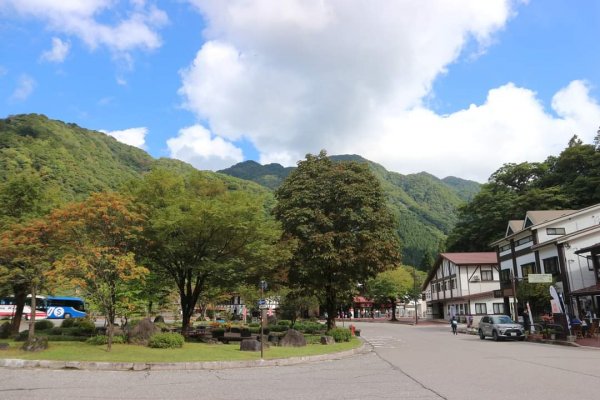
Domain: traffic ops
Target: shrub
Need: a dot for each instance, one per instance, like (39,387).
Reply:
(103,339)
(43,325)
(166,341)
(5,330)
(285,322)
(56,331)
(309,327)
(340,334)
(217,332)
(68,323)
(277,328)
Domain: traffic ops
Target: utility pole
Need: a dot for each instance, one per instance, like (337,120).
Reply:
(415,294)
(515,304)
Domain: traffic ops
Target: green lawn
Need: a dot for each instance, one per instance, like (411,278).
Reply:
(190,352)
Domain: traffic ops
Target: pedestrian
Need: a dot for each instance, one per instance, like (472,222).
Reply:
(454,325)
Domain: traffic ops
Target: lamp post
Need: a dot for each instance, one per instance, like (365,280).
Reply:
(263,287)
(415,294)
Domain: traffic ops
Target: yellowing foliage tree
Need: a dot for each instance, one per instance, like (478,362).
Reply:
(97,238)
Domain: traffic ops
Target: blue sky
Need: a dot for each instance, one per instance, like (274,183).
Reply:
(451,88)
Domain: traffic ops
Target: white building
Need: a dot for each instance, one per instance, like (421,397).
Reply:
(463,284)
(561,243)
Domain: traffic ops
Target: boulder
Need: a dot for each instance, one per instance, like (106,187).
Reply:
(327,339)
(38,343)
(249,345)
(293,338)
(141,333)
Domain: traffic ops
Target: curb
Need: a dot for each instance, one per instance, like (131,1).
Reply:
(191,366)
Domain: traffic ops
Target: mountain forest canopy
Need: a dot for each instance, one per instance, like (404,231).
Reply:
(570,181)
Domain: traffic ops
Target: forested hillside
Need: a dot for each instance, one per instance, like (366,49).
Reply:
(58,162)
(426,206)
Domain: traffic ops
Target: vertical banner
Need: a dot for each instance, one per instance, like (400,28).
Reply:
(531,326)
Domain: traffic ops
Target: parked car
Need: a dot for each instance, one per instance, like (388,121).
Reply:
(500,327)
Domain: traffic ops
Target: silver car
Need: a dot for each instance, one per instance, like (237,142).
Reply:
(500,327)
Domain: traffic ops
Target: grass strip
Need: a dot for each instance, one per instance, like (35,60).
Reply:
(190,352)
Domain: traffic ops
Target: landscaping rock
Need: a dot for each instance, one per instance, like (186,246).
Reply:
(141,333)
(327,339)
(38,343)
(249,345)
(293,338)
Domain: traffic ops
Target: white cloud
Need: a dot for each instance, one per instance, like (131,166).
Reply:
(132,136)
(196,146)
(58,52)
(25,86)
(131,28)
(296,76)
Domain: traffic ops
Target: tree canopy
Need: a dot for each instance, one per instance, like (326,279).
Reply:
(569,181)
(204,236)
(337,215)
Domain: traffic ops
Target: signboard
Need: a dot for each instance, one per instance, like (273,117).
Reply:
(539,278)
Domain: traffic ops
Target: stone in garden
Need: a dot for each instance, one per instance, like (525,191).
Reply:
(250,345)
(141,333)
(38,343)
(327,339)
(293,338)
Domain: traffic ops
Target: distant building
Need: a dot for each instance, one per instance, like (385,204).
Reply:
(463,284)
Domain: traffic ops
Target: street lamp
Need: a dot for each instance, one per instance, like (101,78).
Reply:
(263,287)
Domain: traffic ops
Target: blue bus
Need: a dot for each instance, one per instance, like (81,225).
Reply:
(64,307)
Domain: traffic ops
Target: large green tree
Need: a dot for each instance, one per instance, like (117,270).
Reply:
(337,214)
(204,236)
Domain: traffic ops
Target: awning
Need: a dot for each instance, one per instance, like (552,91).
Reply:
(588,249)
(588,291)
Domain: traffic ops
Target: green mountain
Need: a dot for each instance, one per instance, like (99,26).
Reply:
(76,162)
(73,161)
(425,205)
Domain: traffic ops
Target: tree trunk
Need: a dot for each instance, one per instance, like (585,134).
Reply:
(20,297)
(31,333)
(394,310)
(330,306)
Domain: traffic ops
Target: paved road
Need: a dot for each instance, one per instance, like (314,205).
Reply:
(423,362)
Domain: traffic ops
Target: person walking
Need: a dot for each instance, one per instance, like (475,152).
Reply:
(454,325)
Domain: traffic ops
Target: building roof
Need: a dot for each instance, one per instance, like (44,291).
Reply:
(474,258)
(489,257)
(514,226)
(540,216)
(532,218)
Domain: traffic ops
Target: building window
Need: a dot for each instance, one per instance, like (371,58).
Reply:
(527,269)
(590,263)
(480,308)
(437,287)
(524,240)
(505,275)
(551,265)
(487,275)
(444,285)
(555,231)
(498,308)
(453,284)
(504,248)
